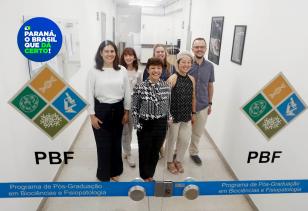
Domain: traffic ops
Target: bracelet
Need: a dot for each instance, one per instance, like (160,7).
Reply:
(193,112)
(210,103)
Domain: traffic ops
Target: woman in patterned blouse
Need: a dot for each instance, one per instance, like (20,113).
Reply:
(160,51)
(151,110)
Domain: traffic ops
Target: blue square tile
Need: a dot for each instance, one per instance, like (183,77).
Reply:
(291,107)
(69,104)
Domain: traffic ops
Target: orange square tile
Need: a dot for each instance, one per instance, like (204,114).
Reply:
(277,90)
(47,84)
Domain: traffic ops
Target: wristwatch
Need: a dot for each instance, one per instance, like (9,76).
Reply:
(210,103)
(193,112)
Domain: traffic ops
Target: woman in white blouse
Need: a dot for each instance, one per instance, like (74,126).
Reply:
(109,99)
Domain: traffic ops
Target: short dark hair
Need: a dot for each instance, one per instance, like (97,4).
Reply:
(199,38)
(154,62)
(129,51)
(99,61)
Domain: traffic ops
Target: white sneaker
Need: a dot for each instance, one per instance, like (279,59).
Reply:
(130,161)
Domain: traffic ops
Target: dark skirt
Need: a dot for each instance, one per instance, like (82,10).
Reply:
(150,139)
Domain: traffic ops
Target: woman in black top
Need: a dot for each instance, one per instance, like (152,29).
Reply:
(182,110)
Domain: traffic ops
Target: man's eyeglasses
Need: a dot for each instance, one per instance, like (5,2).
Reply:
(201,47)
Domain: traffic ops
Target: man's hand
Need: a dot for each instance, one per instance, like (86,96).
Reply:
(209,110)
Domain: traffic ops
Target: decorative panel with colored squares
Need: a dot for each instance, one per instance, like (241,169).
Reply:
(274,106)
(48,102)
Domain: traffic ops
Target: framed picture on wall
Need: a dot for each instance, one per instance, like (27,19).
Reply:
(238,43)
(215,39)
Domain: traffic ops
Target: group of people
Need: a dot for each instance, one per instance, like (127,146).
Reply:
(166,102)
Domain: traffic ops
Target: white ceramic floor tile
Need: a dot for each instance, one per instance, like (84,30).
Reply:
(83,168)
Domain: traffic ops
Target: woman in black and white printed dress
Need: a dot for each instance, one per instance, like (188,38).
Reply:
(151,110)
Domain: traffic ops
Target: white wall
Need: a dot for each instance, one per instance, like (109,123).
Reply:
(151,36)
(129,26)
(178,12)
(164,25)
(276,41)
(161,25)
(128,20)
(19,138)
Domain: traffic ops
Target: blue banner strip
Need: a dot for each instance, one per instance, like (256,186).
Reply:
(110,189)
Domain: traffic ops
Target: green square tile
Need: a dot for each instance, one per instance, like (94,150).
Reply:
(257,108)
(28,102)
(271,124)
(50,121)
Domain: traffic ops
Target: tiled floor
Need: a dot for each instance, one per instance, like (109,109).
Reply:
(83,168)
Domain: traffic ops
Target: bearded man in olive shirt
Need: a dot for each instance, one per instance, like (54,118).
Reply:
(203,72)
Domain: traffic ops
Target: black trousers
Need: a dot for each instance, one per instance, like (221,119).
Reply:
(108,140)
(150,139)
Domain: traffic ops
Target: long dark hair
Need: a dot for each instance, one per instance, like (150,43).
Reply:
(129,51)
(99,61)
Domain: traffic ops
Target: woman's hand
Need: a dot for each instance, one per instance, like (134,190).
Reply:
(125,118)
(193,119)
(170,121)
(95,121)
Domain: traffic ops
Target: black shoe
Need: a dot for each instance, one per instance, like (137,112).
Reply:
(196,159)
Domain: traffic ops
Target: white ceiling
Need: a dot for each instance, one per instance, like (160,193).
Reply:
(145,2)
